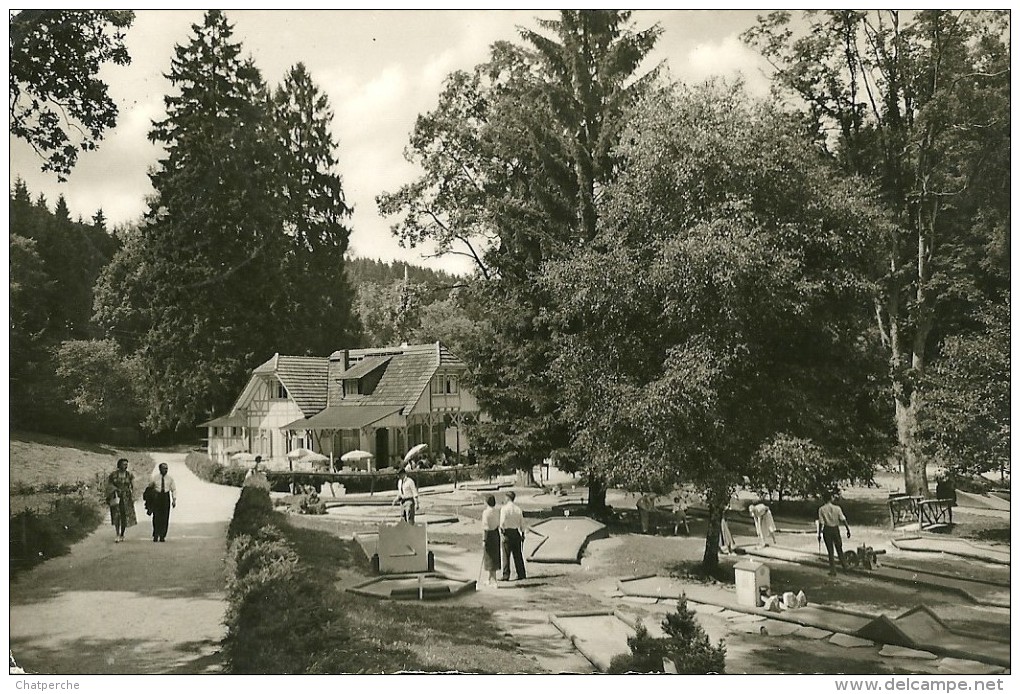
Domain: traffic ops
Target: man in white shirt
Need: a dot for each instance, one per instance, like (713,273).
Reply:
(407,496)
(164,498)
(511,526)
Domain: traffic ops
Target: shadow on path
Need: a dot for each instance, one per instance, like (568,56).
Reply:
(136,606)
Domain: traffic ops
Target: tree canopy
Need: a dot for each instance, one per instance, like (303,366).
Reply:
(919,103)
(58,103)
(721,304)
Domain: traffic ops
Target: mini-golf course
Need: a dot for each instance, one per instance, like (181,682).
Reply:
(954,546)
(426,586)
(917,628)
(988,593)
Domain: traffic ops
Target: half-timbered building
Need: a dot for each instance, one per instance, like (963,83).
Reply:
(380,400)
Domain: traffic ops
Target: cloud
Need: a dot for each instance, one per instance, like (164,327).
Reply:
(726,58)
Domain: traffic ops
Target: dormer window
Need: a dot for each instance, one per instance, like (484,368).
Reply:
(352,387)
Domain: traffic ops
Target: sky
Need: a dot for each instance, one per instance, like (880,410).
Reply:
(379,68)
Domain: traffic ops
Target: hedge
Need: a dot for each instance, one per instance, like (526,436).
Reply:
(36,536)
(205,469)
(273,616)
(380,480)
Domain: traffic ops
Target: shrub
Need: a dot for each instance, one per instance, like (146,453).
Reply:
(685,643)
(205,469)
(645,654)
(688,646)
(36,536)
(252,512)
(272,619)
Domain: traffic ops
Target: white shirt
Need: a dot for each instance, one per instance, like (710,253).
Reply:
(511,517)
(165,483)
(406,489)
(490,518)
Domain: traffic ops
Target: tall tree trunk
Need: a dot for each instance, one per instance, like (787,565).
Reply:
(596,494)
(710,559)
(915,476)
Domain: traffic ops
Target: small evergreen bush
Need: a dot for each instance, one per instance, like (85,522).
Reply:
(685,643)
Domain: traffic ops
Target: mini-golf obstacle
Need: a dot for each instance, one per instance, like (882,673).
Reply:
(917,628)
(561,540)
(400,553)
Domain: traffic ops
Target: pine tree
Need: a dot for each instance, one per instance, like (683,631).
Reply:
(213,240)
(320,295)
(61,211)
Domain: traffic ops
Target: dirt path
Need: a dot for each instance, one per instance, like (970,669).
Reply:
(135,607)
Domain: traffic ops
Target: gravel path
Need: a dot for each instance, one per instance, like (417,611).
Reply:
(136,607)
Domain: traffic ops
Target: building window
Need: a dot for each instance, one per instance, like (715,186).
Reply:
(352,386)
(279,391)
(444,385)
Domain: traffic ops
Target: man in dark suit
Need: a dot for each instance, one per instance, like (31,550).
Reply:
(164,497)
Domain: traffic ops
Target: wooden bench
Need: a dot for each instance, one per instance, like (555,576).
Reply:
(935,514)
(927,514)
(905,511)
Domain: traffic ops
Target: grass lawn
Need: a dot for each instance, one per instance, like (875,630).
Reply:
(391,636)
(40,463)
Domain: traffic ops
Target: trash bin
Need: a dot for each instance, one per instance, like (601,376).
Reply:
(751,576)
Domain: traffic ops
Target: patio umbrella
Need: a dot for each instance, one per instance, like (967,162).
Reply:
(243,457)
(354,456)
(357,456)
(302,453)
(415,451)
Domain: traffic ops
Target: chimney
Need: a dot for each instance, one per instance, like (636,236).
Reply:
(337,365)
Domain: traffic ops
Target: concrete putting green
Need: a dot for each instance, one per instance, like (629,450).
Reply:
(384,514)
(954,546)
(968,500)
(562,540)
(917,628)
(428,586)
(598,636)
(979,592)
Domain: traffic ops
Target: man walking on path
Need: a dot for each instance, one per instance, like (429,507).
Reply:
(829,517)
(166,608)
(164,498)
(511,526)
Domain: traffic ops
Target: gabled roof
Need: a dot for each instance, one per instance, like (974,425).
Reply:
(406,372)
(303,377)
(305,381)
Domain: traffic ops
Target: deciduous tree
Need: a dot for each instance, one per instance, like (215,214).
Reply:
(58,103)
(918,102)
(720,303)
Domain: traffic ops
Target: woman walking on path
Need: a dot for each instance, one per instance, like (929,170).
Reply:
(490,540)
(120,496)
